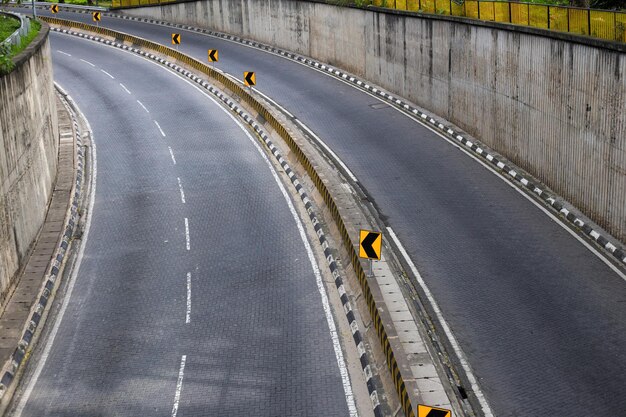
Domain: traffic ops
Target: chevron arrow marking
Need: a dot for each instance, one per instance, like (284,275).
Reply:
(370,244)
(426,411)
(249,78)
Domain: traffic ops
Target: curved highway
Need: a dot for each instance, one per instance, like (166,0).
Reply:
(196,294)
(540,317)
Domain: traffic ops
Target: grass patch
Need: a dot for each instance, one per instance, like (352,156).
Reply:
(26,40)
(7,53)
(8,25)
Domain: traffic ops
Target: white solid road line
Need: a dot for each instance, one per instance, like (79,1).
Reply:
(172,155)
(87,62)
(70,286)
(179,385)
(143,107)
(187,233)
(159,126)
(188,315)
(182,192)
(341,363)
(328,150)
(107,74)
(125,89)
(64,53)
(444,324)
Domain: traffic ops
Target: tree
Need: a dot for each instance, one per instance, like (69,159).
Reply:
(608,4)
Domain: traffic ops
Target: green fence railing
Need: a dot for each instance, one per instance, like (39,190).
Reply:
(590,22)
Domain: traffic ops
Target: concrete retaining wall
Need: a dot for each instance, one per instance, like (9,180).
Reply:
(28,154)
(553,106)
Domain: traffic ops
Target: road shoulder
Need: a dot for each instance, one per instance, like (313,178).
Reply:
(28,306)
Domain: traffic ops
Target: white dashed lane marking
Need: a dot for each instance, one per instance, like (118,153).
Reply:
(182,192)
(159,126)
(172,155)
(112,77)
(187,233)
(188,316)
(179,385)
(142,106)
(124,87)
(64,53)
(87,62)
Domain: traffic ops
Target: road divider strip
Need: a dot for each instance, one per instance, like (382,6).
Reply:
(122,40)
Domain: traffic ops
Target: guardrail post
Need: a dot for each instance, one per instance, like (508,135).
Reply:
(510,14)
(548,9)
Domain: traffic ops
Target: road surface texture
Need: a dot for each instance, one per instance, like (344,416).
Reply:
(195,295)
(541,318)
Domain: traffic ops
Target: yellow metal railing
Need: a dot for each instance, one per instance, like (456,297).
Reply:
(597,23)
(127,3)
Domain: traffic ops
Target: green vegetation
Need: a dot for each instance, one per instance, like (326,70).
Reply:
(7,53)
(8,25)
(593,4)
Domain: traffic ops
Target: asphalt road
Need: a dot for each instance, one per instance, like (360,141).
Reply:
(540,317)
(195,295)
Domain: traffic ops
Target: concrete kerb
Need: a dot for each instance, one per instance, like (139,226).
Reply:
(378,315)
(14,368)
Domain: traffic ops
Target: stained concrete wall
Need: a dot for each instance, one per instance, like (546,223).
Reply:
(28,154)
(554,105)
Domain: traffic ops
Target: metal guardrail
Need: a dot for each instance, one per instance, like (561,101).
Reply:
(603,24)
(16,37)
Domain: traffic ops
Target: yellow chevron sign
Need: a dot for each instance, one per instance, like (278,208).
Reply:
(175,38)
(213,55)
(249,78)
(95,16)
(426,411)
(370,244)
(54,8)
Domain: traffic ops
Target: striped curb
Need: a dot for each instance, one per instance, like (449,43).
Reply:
(506,168)
(46,294)
(332,265)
